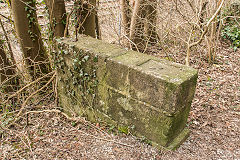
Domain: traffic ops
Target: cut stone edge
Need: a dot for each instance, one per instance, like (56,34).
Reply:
(179,139)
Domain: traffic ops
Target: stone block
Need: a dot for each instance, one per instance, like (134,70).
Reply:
(105,82)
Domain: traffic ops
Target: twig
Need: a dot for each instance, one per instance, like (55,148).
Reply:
(74,119)
(30,147)
(131,42)
(43,98)
(81,23)
(6,17)
(188,48)
(192,6)
(28,5)
(78,119)
(146,46)
(207,26)
(26,137)
(19,91)
(56,92)
(25,102)
(203,34)
(67,23)
(183,16)
(108,140)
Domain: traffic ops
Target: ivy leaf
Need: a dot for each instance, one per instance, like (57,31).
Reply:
(85,58)
(95,59)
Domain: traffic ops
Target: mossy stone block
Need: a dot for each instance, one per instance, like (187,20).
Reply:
(106,82)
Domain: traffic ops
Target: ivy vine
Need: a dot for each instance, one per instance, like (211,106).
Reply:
(80,74)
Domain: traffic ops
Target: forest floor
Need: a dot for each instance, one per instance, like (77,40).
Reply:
(214,123)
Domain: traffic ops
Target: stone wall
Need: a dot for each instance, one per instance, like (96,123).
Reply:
(149,96)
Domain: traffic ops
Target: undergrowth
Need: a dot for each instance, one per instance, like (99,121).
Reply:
(231,28)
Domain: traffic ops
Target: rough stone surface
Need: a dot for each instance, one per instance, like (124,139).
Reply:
(149,96)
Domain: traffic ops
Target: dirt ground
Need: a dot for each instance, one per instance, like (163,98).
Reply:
(214,122)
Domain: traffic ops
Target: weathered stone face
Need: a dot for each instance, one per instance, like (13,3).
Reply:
(126,88)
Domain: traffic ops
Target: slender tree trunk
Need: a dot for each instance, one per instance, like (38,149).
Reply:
(98,31)
(143,24)
(211,38)
(89,24)
(125,12)
(150,23)
(27,29)
(135,19)
(86,17)
(136,30)
(203,13)
(6,70)
(57,16)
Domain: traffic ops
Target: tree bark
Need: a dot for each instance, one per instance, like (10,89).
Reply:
(27,29)
(57,16)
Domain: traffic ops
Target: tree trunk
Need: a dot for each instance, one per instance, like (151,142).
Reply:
(150,23)
(142,30)
(135,19)
(98,31)
(125,12)
(6,71)
(27,29)
(86,17)
(57,16)
(136,30)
